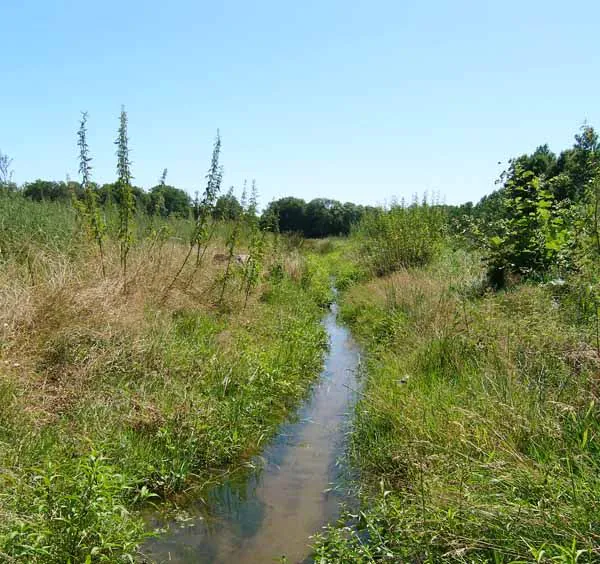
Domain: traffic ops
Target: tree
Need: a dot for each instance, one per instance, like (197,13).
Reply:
(50,190)
(290,214)
(584,161)
(321,217)
(166,200)
(227,207)
(317,218)
(532,235)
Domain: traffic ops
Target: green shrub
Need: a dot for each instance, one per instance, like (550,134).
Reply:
(400,237)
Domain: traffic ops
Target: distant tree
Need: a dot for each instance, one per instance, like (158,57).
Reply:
(290,214)
(227,206)
(321,217)
(50,190)
(317,218)
(166,200)
(110,194)
(352,215)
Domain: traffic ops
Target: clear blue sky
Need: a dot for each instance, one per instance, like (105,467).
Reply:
(352,100)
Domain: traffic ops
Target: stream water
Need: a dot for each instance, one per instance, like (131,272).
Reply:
(268,513)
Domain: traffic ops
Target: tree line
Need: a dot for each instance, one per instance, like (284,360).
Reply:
(320,217)
(544,219)
(545,206)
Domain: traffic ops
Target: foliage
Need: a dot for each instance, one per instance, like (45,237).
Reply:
(201,235)
(227,207)
(400,237)
(127,202)
(205,206)
(476,437)
(256,251)
(166,200)
(79,515)
(533,236)
(319,218)
(48,190)
(543,218)
(96,224)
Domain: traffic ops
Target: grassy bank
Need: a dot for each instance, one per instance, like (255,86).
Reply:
(477,432)
(112,398)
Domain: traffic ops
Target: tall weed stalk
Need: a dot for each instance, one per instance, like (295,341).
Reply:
(90,210)
(127,203)
(201,235)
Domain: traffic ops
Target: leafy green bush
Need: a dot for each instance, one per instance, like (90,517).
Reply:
(535,234)
(79,515)
(400,237)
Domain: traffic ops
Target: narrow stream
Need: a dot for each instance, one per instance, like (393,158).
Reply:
(264,515)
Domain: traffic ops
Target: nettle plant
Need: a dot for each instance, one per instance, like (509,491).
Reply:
(203,229)
(89,209)
(127,202)
(256,247)
(231,241)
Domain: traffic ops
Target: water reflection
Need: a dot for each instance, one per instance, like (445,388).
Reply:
(260,516)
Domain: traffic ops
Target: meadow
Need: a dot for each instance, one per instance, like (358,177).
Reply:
(150,344)
(476,435)
(115,393)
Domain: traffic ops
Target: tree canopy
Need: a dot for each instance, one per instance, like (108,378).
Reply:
(318,218)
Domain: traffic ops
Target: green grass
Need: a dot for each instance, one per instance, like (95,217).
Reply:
(478,434)
(109,401)
(192,395)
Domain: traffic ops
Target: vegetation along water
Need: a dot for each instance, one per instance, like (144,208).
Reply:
(176,385)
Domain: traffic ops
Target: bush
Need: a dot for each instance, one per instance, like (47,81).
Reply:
(400,237)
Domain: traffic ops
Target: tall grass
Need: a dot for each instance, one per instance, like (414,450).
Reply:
(108,401)
(477,434)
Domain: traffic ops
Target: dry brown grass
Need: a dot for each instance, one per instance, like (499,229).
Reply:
(70,302)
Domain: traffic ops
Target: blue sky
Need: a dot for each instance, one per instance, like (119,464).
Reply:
(352,100)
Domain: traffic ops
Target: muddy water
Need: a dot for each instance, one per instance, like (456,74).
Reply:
(269,513)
